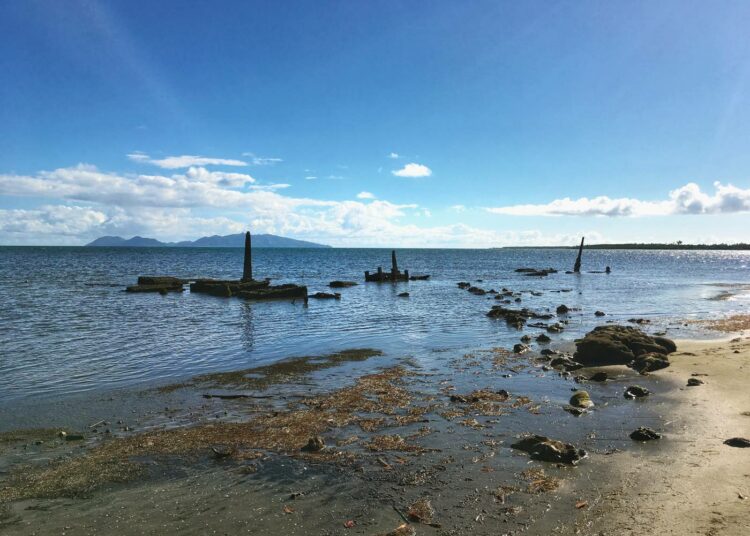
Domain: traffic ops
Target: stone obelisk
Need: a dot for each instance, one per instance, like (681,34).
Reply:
(247,270)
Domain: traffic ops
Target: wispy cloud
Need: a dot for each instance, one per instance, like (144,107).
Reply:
(262,160)
(458,208)
(394,156)
(310,177)
(365,195)
(688,199)
(413,170)
(184,161)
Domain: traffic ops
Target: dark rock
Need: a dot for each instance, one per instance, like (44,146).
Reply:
(599,313)
(73,437)
(618,345)
(649,363)
(534,272)
(314,444)
(548,352)
(464,284)
(599,377)
(326,296)
(636,391)
(562,309)
(477,291)
(739,442)
(694,382)
(543,338)
(549,450)
(419,277)
(644,434)
(519,348)
(403,295)
(639,320)
(554,328)
(575,411)
(342,284)
(526,339)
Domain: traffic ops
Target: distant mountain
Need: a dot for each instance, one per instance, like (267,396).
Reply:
(216,241)
(135,242)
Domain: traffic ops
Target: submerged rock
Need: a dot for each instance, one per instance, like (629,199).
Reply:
(478,291)
(526,339)
(566,363)
(464,284)
(562,309)
(326,296)
(694,382)
(342,284)
(599,313)
(403,295)
(620,345)
(581,399)
(636,391)
(549,450)
(649,363)
(644,434)
(519,348)
(738,442)
(543,338)
(314,444)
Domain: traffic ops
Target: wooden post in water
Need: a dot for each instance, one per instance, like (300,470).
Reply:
(577,265)
(394,265)
(247,270)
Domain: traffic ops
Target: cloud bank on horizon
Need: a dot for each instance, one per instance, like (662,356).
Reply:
(688,199)
(196,200)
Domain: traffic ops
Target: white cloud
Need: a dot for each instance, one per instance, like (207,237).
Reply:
(413,170)
(458,208)
(365,195)
(184,161)
(230,180)
(310,177)
(688,199)
(393,156)
(176,207)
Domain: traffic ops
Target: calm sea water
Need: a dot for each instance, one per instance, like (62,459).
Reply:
(67,327)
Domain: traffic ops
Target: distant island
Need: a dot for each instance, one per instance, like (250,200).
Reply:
(672,245)
(216,241)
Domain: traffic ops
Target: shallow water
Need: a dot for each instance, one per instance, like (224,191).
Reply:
(67,329)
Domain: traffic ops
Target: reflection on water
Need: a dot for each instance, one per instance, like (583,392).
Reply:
(66,326)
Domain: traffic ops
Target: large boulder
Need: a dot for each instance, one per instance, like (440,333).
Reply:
(619,345)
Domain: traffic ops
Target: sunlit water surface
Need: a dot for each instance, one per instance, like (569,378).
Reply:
(67,328)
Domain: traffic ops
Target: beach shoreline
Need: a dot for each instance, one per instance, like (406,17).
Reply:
(687,483)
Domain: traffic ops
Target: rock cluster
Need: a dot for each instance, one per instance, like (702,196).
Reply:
(623,345)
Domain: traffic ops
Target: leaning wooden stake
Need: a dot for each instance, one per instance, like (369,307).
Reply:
(394,265)
(577,265)
(247,270)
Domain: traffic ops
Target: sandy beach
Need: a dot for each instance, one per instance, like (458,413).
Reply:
(698,485)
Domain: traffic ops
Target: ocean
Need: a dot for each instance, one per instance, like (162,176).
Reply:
(68,329)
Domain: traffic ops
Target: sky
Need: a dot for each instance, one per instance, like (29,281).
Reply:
(377,123)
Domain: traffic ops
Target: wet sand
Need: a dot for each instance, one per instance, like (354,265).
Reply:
(420,446)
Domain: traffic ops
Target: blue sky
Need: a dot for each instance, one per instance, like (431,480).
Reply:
(465,124)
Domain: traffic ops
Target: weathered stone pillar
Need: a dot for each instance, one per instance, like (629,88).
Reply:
(247,270)
(577,265)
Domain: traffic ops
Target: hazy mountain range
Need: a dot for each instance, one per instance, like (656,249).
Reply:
(216,241)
